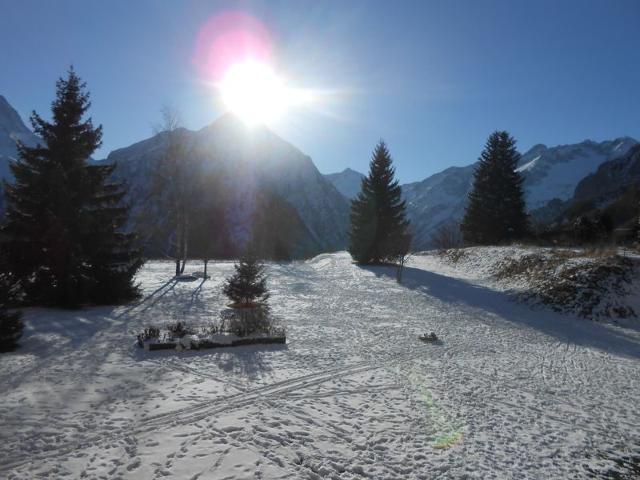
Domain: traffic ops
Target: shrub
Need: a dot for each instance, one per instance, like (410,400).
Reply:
(247,321)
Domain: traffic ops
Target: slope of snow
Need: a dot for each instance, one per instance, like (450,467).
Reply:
(530,165)
(510,392)
(348,182)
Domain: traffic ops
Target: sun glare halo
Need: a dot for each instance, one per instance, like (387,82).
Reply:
(255,93)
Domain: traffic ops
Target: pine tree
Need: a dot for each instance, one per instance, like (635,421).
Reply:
(379,229)
(248,285)
(64,218)
(496,209)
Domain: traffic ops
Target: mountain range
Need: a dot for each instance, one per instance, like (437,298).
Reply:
(551,175)
(261,176)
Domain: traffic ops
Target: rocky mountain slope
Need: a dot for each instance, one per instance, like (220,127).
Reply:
(249,163)
(12,130)
(611,178)
(347,182)
(613,190)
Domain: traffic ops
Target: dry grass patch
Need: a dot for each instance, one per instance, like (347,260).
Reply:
(592,284)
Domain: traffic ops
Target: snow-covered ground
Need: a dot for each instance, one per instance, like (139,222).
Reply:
(510,393)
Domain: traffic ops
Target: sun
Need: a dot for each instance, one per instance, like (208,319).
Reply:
(255,93)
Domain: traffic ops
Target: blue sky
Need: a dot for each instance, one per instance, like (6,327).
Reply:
(433,78)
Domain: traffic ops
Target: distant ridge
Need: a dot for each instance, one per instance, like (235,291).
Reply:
(347,182)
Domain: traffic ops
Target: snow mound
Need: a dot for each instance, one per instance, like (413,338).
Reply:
(597,285)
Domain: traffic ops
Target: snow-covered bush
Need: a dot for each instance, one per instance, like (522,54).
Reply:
(235,327)
(592,283)
(453,255)
(247,321)
(590,286)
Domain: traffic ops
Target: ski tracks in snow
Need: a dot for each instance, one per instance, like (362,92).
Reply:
(353,395)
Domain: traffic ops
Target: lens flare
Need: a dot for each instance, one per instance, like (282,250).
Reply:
(234,54)
(227,39)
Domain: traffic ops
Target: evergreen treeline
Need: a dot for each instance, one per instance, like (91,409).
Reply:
(64,231)
(496,209)
(379,228)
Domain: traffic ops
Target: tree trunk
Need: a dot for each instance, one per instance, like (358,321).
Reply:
(206,261)
(184,228)
(178,244)
(400,269)
(183,239)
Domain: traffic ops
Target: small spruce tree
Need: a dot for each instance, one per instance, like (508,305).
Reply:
(248,285)
(10,322)
(65,220)
(496,212)
(379,228)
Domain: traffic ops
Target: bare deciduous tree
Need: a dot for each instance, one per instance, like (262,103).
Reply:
(447,236)
(172,186)
(403,255)
(400,263)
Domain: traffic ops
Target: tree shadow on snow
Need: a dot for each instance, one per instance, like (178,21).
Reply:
(195,300)
(252,361)
(46,327)
(248,361)
(153,298)
(564,327)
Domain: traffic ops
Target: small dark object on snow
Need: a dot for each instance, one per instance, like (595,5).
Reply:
(186,277)
(178,330)
(431,337)
(151,332)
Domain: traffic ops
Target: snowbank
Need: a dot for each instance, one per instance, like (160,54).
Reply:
(592,284)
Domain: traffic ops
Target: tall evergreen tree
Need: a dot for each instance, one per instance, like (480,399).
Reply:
(64,217)
(496,209)
(379,228)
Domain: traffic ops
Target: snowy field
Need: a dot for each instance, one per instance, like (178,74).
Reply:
(510,393)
